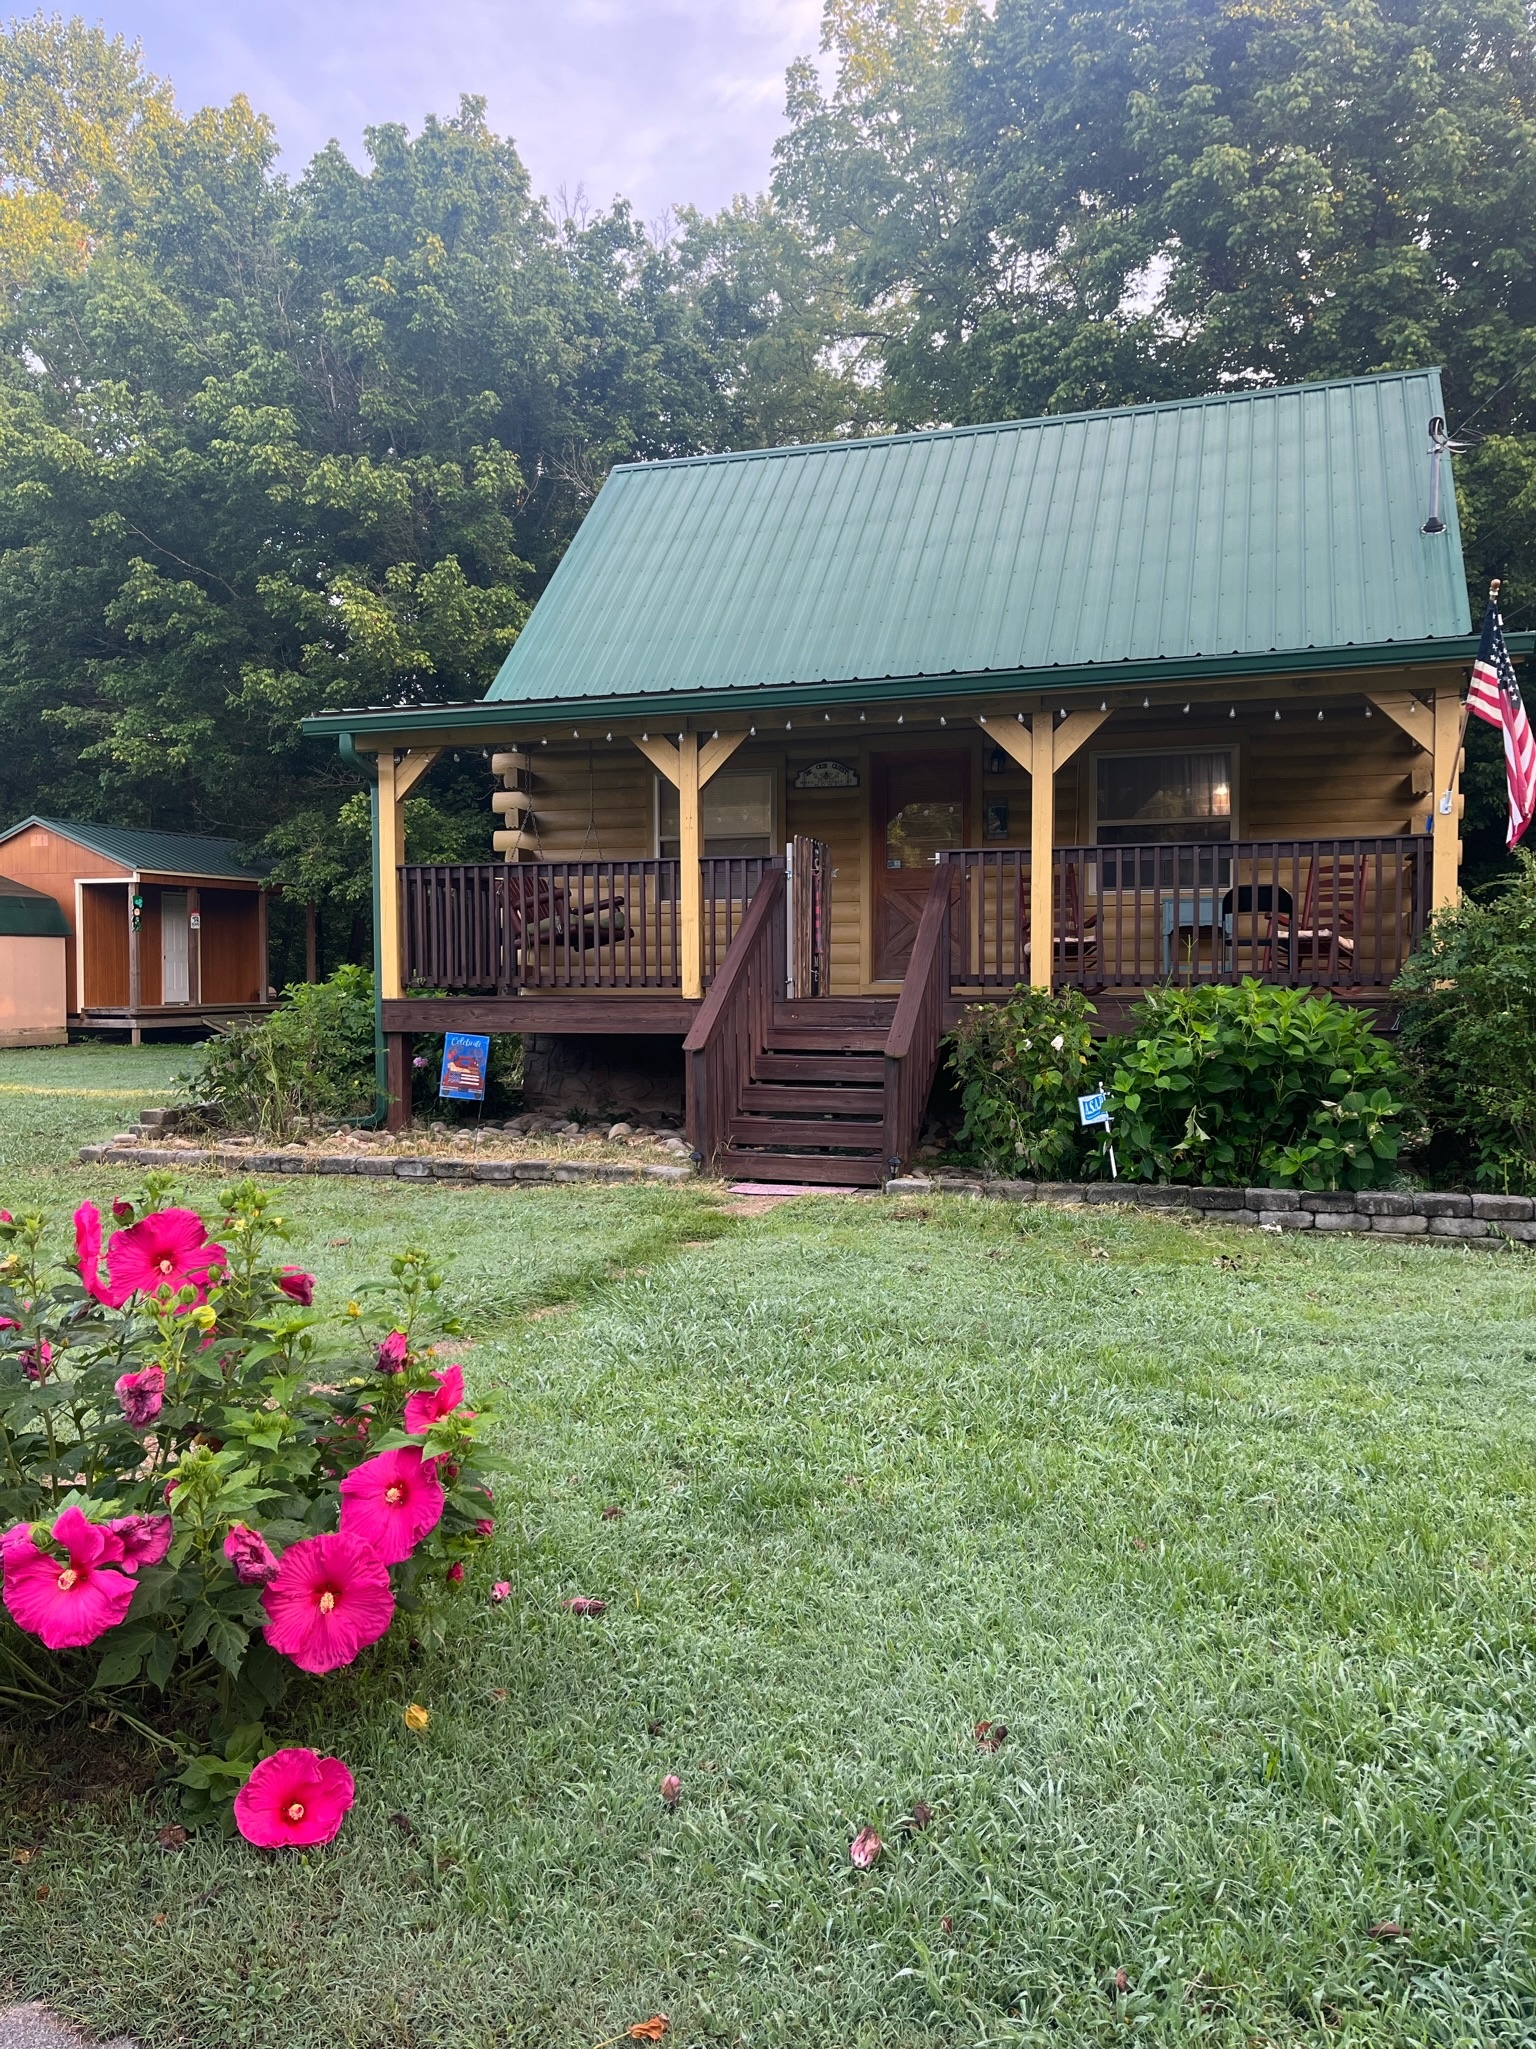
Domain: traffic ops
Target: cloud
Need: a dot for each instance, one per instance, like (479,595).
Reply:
(665,101)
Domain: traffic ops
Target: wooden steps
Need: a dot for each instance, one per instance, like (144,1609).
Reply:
(812,1109)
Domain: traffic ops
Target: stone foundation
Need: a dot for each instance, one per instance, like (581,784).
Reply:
(604,1074)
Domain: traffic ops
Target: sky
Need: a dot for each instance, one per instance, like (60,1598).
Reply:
(665,101)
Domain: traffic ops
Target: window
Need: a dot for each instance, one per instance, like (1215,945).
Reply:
(1141,797)
(737,815)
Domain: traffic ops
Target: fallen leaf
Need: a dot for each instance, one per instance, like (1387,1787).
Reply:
(499,1693)
(613,1514)
(1138,1543)
(415,1718)
(42,1892)
(585,1604)
(649,2031)
(404,1823)
(654,1728)
(864,1849)
(172,1836)
(1385,1931)
(160,1920)
(947,1923)
(671,1787)
(991,1735)
(22,1856)
(922,1814)
(1121,1983)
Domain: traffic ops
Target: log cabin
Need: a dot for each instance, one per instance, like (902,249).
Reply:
(802,749)
(167,928)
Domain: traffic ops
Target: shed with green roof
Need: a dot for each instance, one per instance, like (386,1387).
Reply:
(163,929)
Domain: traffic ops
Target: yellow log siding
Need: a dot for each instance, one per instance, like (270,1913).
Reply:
(1299,777)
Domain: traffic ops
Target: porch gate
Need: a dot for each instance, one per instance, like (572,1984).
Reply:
(806,965)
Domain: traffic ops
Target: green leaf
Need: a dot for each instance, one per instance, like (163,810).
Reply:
(227,1641)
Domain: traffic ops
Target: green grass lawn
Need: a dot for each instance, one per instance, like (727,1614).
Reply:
(1236,1534)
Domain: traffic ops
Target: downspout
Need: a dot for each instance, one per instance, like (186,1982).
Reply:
(369,771)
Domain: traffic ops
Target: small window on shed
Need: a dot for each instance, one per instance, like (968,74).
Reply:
(1141,797)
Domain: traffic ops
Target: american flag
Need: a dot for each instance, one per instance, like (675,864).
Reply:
(1494,695)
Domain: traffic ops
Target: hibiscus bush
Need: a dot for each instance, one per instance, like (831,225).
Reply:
(209,1486)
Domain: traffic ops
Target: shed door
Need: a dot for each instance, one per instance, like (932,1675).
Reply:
(921,809)
(175,982)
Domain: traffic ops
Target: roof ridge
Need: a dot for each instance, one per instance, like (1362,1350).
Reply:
(1032,420)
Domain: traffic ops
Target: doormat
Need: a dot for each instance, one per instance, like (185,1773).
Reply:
(785,1189)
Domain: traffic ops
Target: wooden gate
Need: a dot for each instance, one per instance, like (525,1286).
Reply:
(806,967)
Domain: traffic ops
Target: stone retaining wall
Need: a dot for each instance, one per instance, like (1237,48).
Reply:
(404,1167)
(1271,1209)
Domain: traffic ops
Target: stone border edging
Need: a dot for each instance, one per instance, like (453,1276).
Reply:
(1394,1215)
(402,1167)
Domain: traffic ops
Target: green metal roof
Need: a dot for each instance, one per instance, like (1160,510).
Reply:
(28,914)
(1247,525)
(155,853)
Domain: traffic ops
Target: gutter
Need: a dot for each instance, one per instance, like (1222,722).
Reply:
(498,714)
(368,771)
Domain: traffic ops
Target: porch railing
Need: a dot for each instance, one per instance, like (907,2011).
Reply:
(502,927)
(1336,913)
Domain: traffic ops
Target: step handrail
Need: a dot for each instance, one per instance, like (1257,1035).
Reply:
(734,1019)
(917,1030)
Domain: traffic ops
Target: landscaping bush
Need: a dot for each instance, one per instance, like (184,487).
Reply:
(1021,1066)
(308,1062)
(1231,1086)
(1468,1036)
(208,1487)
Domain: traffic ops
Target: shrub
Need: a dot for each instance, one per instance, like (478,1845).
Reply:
(211,1487)
(309,1061)
(1468,1035)
(1021,1066)
(1254,1085)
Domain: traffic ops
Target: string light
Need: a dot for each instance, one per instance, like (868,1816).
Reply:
(1103,704)
(901,718)
(1186,711)
(1232,713)
(1277,714)
(943,721)
(1145,702)
(1319,715)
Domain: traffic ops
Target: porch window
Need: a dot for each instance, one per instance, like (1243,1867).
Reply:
(1141,797)
(737,816)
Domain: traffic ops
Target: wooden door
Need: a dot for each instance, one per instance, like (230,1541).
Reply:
(921,805)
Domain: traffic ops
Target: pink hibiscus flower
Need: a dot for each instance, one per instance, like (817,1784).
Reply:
(429,1407)
(456,1573)
(254,1560)
(485,1527)
(392,1353)
(298,1287)
(294,1799)
(67,1605)
(88,1256)
(331,1597)
(391,1501)
(142,1539)
(169,1248)
(142,1395)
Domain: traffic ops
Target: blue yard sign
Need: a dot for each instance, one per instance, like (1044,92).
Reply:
(1091,1108)
(465,1058)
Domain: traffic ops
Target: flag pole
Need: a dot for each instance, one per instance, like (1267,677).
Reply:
(1447,802)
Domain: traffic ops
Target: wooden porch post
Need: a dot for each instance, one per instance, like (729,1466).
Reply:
(397,779)
(1040,748)
(135,966)
(397,1055)
(689,765)
(1042,835)
(195,946)
(1445,849)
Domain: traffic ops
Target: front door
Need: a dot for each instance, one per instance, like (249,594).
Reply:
(921,810)
(175,947)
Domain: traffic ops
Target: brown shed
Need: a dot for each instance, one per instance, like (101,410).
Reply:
(169,927)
